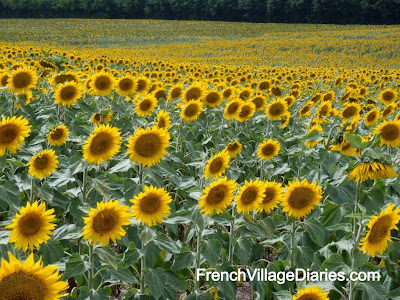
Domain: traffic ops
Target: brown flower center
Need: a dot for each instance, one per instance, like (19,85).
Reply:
(41,162)
(22,80)
(268,149)
(390,132)
(232,108)
(269,195)
(150,204)
(380,229)
(249,195)
(125,84)
(216,165)
(148,145)
(216,194)
(101,143)
(22,286)
(301,197)
(68,93)
(102,83)
(191,110)
(30,224)
(8,133)
(105,221)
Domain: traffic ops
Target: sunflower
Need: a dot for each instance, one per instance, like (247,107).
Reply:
(276,109)
(324,109)
(312,144)
(102,144)
(372,117)
(191,110)
(218,196)
(101,84)
(300,198)
(389,109)
(143,85)
(65,77)
(21,80)
(268,149)
(13,132)
(350,111)
(126,86)
(194,92)
(376,240)
(232,109)
(247,110)
(250,196)
(305,110)
(285,120)
(311,293)
(390,133)
(163,120)
(107,116)
(47,65)
(388,96)
(234,148)
(217,164)
(212,99)
(346,148)
(289,100)
(32,226)
(43,164)
(175,92)
(58,136)
(259,102)
(105,222)
(29,280)
(374,170)
(67,93)
(275,91)
(145,106)
(273,192)
(148,146)
(151,206)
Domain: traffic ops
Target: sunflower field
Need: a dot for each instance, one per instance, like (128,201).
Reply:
(136,155)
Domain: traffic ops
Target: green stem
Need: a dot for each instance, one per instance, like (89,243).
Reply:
(31,194)
(142,267)
(232,230)
(292,244)
(140,174)
(84,188)
(91,270)
(199,236)
(357,235)
(261,169)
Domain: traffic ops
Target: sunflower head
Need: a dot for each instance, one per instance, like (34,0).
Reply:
(148,146)
(143,84)
(218,196)
(191,110)
(32,226)
(22,79)
(232,109)
(372,117)
(388,96)
(217,164)
(175,92)
(67,93)
(311,293)
(350,111)
(374,171)
(212,99)
(247,110)
(268,149)
(273,192)
(43,164)
(151,206)
(250,196)
(163,120)
(194,92)
(378,235)
(105,222)
(13,132)
(102,144)
(29,280)
(101,84)
(300,198)
(146,105)
(234,148)
(126,86)
(276,109)
(390,133)
(58,136)
(97,118)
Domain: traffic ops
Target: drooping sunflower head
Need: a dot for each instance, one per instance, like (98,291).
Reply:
(390,133)
(216,165)
(234,148)
(374,171)
(163,120)
(101,84)
(378,236)
(58,136)
(126,86)
(146,105)
(29,280)
(276,109)
(191,110)
(105,222)
(43,164)
(324,109)
(32,226)
(22,79)
(372,117)
(232,109)
(218,196)
(311,293)
(250,196)
(212,98)
(65,77)
(151,206)
(300,198)
(102,144)
(273,192)
(389,109)
(13,132)
(247,110)
(47,65)
(268,149)
(388,96)
(350,111)
(148,146)
(305,110)
(67,93)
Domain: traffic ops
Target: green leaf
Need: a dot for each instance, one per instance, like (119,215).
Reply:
(394,293)
(9,193)
(315,230)
(211,250)
(183,260)
(132,256)
(314,135)
(87,294)
(355,140)
(122,166)
(243,250)
(331,214)
(175,281)
(328,159)
(75,266)
(372,291)
(51,252)
(197,296)
(155,280)
(227,288)
(100,186)
(107,255)
(165,243)
(122,274)
(304,256)
(66,232)
(335,264)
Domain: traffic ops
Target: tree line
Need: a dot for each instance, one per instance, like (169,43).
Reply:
(277,11)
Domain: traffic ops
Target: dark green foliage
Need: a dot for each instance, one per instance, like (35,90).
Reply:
(278,11)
